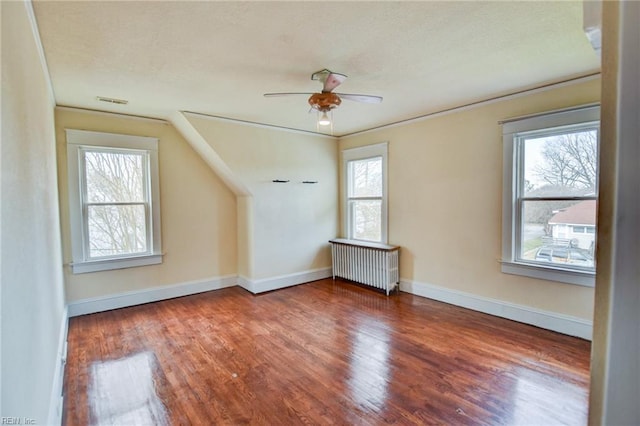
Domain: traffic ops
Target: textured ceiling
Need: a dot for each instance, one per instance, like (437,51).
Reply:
(219,58)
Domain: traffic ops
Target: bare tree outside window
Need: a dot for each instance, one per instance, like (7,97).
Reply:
(116,202)
(570,162)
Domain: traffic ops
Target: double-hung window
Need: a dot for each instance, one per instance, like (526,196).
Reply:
(550,195)
(365,203)
(114,200)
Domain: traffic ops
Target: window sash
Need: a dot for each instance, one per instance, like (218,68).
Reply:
(519,240)
(520,138)
(376,230)
(87,242)
(351,177)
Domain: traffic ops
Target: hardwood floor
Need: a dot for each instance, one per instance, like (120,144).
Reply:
(320,353)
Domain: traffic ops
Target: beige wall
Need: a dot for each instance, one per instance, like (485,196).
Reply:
(198,212)
(445,201)
(288,225)
(31,276)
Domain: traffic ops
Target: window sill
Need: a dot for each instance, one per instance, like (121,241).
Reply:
(110,264)
(586,279)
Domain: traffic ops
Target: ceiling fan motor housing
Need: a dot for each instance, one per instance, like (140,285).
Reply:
(325,101)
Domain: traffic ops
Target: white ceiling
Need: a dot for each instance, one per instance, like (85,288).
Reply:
(219,58)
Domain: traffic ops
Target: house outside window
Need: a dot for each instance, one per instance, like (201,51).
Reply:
(113,200)
(365,202)
(550,195)
(577,224)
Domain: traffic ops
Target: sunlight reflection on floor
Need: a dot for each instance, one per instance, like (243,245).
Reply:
(531,404)
(122,392)
(369,367)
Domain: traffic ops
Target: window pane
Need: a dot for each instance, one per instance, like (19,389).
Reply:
(561,165)
(366,219)
(365,177)
(114,177)
(554,231)
(116,230)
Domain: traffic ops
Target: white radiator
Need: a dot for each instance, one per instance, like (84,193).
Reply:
(373,264)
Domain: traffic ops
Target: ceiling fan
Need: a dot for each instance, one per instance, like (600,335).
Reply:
(326,100)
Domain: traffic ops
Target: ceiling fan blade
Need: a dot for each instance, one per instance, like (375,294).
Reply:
(274,95)
(368,99)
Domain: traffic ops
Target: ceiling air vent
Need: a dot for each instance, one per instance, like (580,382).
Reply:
(112,100)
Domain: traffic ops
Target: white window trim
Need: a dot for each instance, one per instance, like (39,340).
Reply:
(572,116)
(76,139)
(362,153)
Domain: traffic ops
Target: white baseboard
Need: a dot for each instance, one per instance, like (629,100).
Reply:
(56,399)
(132,298)
(282,281)
(565,324)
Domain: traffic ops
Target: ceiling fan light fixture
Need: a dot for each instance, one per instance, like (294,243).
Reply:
(326,101)
(323,118)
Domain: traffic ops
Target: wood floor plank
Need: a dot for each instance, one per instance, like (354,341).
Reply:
(327,352)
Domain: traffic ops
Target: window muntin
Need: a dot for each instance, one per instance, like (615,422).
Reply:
(550,187)
(114,200)
(365,189)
